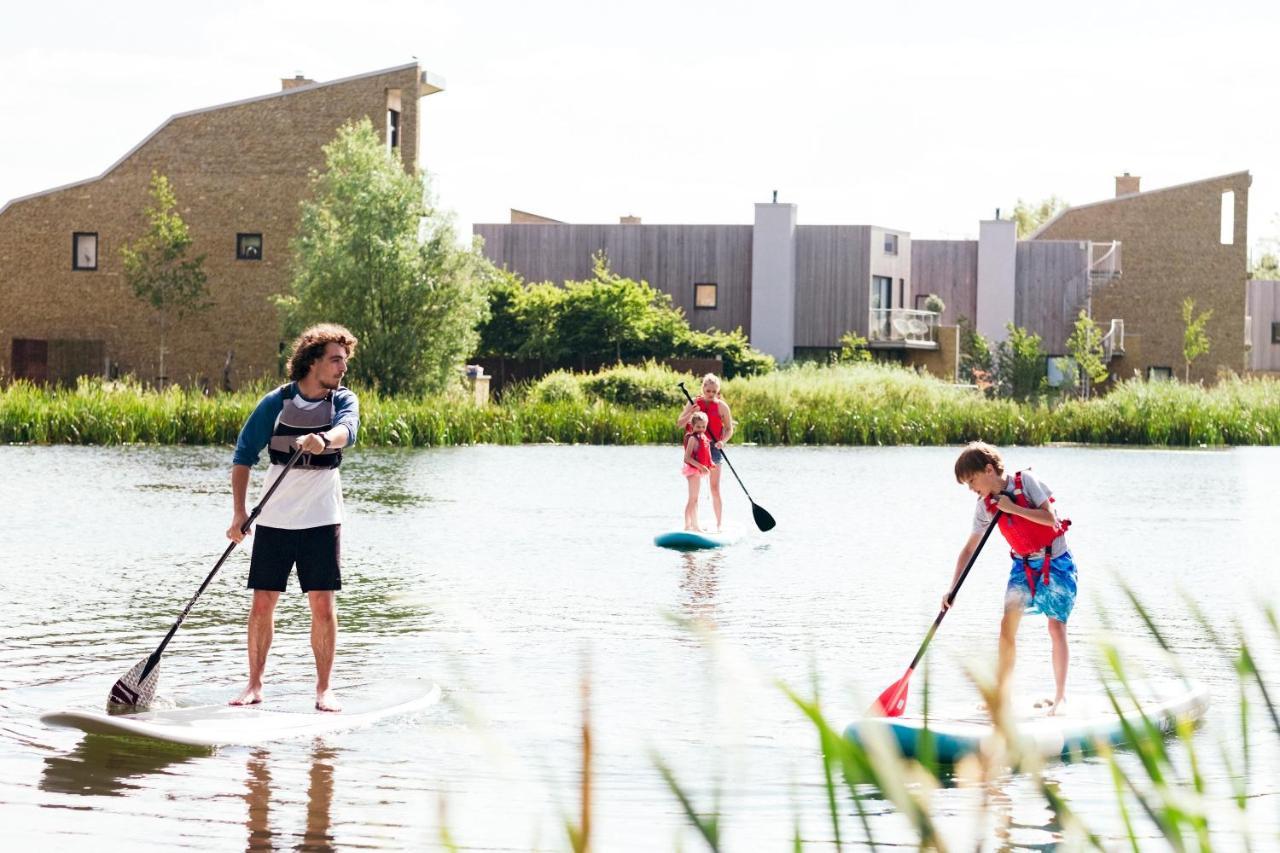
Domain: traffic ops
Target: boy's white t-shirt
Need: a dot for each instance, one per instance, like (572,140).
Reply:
(1036,493)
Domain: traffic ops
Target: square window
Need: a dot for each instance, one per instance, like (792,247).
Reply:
(84,250)
(248,247)
(1275,333)
(1159,374)
(704,295)
(891,244)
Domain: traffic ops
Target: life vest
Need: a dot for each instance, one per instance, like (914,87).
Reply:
(715,425)
(1025,537)
(295,421)
(702,452)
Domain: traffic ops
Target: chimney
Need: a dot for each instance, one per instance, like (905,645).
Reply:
(1127,184)
(628,220)
(287,83)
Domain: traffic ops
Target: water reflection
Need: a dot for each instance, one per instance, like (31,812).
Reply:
(701,586)
(104,766)
(259,800)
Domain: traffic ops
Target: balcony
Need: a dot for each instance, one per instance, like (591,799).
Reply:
(902,328)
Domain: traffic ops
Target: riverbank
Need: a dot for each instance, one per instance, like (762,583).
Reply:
(806,405)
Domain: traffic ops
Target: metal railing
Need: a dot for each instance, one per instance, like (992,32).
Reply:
(1113,341)
(1104,260)
(904,325)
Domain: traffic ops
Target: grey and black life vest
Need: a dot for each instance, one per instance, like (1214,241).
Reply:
(295,421)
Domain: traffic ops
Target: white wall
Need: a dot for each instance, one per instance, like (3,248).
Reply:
(997,272)
(773,280)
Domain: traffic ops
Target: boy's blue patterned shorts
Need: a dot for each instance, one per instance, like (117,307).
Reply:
(1056,599)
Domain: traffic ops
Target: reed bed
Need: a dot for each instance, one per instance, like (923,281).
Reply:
(864,404)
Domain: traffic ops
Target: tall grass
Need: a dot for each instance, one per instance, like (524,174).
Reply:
(862,404)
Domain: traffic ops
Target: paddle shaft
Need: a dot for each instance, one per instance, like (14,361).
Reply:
(244,528)
(951,596)
(723,455)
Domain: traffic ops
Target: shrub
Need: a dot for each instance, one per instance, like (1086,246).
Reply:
(560,386)
(644,387)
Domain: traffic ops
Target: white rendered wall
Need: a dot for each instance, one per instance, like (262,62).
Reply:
(997,272)
(773,280)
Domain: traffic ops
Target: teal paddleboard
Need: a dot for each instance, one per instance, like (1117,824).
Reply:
(691,540)
(1090,720)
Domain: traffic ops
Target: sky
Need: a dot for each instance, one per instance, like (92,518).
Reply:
(924,116)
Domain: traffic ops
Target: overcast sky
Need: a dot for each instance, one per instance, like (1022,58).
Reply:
(924,116)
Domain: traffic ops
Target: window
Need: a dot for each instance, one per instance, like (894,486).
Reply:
(881,292)
(84,250)
(248,247)
(1275,333)
(1159,374)
(1227,234)
(704,295)
(393,128)
(902,293)
(891,244)
(920,299)
(1061,370)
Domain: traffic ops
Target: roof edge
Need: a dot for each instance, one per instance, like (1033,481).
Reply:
(282,94)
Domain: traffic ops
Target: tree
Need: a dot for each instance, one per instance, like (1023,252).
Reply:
(157,268)
(602,314)
(977,364)
(373,254)
(1028,216)
(1020,365)
(853,348)
(1085,347)
(1195,339)
(1267,268)
(933,302)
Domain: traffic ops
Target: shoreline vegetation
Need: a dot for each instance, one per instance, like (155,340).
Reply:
(851,404)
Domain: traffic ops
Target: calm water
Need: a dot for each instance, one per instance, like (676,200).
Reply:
(504,573)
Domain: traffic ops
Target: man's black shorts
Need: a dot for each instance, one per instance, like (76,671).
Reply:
(316,550)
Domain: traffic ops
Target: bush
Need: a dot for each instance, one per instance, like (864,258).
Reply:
(644,387)
(560,386)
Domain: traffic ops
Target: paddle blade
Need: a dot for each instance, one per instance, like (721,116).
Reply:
(133,690)
(893,701)
(763,520)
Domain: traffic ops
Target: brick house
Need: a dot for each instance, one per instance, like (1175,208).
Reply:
(239,171)
(1179,241)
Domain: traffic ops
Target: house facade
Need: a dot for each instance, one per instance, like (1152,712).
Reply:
(239,172)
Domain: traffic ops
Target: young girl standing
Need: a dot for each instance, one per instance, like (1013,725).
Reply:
(719,427)
(697,464)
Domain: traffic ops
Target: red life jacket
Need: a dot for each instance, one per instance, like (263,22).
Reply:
(715,426)
(702,452)
(1025,537)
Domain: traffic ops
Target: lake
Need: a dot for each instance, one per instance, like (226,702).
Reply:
(508,574)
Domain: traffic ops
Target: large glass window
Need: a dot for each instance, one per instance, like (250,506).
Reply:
(393,128)
(881,292)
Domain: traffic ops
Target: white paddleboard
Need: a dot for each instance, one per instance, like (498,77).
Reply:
(691,540)
(1088,721)
(272,719)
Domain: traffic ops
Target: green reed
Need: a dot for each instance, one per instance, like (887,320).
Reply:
(862,404)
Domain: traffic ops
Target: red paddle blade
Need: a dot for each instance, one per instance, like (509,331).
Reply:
(893,701)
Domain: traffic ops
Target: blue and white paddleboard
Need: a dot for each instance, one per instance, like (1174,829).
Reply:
(1088,721)
(689,540)
(274,719)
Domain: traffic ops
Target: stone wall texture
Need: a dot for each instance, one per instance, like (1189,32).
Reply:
(238,168)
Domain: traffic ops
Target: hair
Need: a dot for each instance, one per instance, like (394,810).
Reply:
(975,458)
(699,418)
(714,380)
(310,346)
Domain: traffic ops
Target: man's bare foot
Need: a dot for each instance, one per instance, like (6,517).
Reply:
(248,696)
(325,701)
(1059,707)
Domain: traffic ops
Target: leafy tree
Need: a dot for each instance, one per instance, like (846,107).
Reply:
(1020,365)
(1085,347)
(1267,268)
(374,254)
(156,265)
(853,348)
(1195,338)
(538,311)
(600,316)
(933,302)
(977,363)
(501,331)
(1029,216)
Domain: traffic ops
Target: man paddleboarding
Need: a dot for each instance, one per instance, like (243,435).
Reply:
(1043,577)
(302,524)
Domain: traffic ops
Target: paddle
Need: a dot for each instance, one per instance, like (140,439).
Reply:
(138,686)
(893,701)
(764,521)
